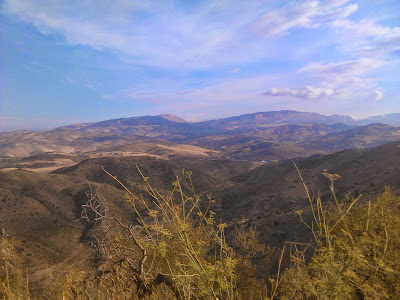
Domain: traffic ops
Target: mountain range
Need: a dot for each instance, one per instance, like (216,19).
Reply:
(261,136)
(42,212)
(246,164)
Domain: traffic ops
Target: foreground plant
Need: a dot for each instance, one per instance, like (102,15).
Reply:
(357,251)
(12,282)
(173,250)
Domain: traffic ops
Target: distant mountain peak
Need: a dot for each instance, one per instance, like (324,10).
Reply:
(281,117)
(172,118)
(378,125)
(392,119)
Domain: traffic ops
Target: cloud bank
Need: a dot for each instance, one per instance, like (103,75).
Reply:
(175,34)
(307,92)
(203,57)
(306,14)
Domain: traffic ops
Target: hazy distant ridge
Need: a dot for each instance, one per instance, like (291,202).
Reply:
(273,135)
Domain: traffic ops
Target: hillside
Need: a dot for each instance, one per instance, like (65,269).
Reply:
(389,119)
(208,175)
(277,117)
(42,214)
(275,142)
(41,211)
(267,136)
(264,194)
(359,137)
(247,147)
(269,195)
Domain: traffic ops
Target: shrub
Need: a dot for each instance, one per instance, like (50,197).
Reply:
(12,282)
(356,253)
(174,250)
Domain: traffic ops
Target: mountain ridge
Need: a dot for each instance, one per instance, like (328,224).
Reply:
(392,119)
(263,136)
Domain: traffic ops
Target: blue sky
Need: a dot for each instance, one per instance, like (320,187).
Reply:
(70,61)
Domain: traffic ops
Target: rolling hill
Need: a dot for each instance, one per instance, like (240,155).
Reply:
(359,137)
(389,119)
(269,195)
(208,175)
(277,117)
(41,212)
(267,136)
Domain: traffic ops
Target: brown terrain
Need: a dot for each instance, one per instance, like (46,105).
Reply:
(42,211)
(268,136)
(244,163)
(268,196)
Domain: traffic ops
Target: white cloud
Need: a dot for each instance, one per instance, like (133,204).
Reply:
(342,68)
(364,28)
(279,21)
(153,33)
(165,34)
(367,38)
(348,79)
(341,12)
(307,92)
(377,95)
(306,14)
(232,40)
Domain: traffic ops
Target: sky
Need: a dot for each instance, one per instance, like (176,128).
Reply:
(74,61)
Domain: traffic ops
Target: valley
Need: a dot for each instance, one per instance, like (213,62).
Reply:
(243,167)
(199,150)
(268,136)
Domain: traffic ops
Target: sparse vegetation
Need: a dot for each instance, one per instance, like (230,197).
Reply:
(13,284)
(178,244)
(176,250)
(356,254)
